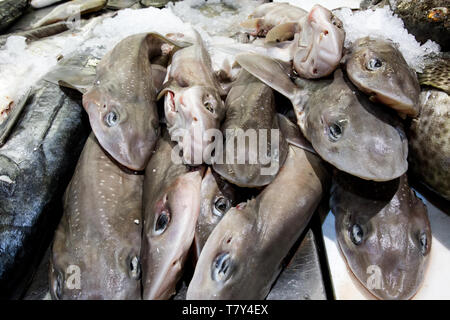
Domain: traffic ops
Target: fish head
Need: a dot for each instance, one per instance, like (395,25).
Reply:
(320,44)
(169,234)
(190,112)
(386,241)
(378,68)
(218,268)
(127,126)
(349,132)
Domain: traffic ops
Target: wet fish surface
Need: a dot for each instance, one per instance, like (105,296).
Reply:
(250,107)
(344,127)
(242,257)
(38,33)
(10,11)
(384,234)
(193,102)
(99,236)
(171,202)
(377,67)
(37,4)
(429,142)
(122,102)
(36,163)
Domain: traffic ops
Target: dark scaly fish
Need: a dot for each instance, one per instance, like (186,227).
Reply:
(99,235)
(10,11)
(193,102)
(429,142)
(251,109)
(216,198)
(343,126)
(122,103)
(384,234)
(243,255)
(378,69)
(36,163)
(437,73)
(171,202)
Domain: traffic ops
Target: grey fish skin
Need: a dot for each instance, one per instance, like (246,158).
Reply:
(242,257)
(10,11)
(343,126)
(171,202)
(99,233)
(69,9)
(382,228)
(122,103)
(36,163)
(193,102)
(216,198)
(155,3)
(38,33)
(378,69)
(429,142)
(250,105)
(120,4)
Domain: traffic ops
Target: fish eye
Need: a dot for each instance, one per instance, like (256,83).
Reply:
(221,206)
(208,103)
(336,22)
(423,241)
(135,268)
(111,119)
(356,234)
(335,131)
(221,267)
(162,222)
(374,64)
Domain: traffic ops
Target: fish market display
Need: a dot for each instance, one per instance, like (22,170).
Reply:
(10,11)
(70,9)
(429,141)
(122,102)
(171,202)
(384,234)
(96,250)
(378,69)
(193,102)
(36,163)
(343,126)
(242,257)
(250,106)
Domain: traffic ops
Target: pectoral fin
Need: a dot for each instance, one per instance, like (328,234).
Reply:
(293,135)
(78,78)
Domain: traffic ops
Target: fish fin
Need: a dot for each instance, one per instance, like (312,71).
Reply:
(252,24)
(158,77)
(282,32)
(10,122)
(170,85)
(293,135)
(78,78)
(272,72)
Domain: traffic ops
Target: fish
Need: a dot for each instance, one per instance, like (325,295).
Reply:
(171,204)
(344,127)
(38,33)
(120,4)
(251,111)
(37,4)
(267,18)
(217,197)
(13,117)
(429,142)
(192,100)
(99,236)
(36,163)
(243,255)
(10,11)
(317,41)
(384,234)
(376,67)
(436,73)
(121,104)
(70,9)
(155,3)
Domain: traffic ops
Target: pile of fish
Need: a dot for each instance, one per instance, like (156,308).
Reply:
(142,206)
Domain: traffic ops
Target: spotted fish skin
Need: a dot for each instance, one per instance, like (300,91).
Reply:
(99,236)
(437,74)
(429,141)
